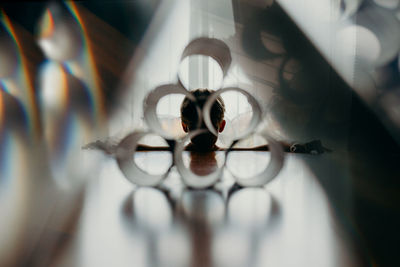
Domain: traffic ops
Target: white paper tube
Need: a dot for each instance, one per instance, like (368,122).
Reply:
(211,47)
(255,120)
(150,107)
(271,171)
(188,177)
(124,155)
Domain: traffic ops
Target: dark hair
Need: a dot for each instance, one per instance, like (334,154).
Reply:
(189,114)
(189,117)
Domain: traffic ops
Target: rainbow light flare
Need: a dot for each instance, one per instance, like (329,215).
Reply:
(47,25)
(72,69)
(96,94)
(28,95)
(55,71)
(4,89)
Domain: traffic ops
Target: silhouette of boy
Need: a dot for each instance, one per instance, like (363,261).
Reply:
(206,141)
(189,117)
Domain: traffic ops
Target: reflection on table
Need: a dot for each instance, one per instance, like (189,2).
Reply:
(289,222)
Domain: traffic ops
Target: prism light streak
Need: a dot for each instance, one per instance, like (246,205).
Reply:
(47,25)
(5,89)
(96,94)
(28,96)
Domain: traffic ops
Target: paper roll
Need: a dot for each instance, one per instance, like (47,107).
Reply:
(60,36)
(188,177)
(124,155)
(271,171)
(211,47)
(150,107)
(255,120)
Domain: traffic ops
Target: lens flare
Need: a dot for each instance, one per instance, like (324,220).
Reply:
(47,25)
(13,114)
(92,75)
(64,39)
(22,79)
(60,40)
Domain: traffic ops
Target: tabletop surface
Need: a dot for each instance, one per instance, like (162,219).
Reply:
(288,222)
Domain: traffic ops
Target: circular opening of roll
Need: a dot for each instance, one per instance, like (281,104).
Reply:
(249,157)
(252,163)
(238,114)
(152,155)
(144,158)
(161,110)
(198,169)
(242,114)
(169,115)
(200,71)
